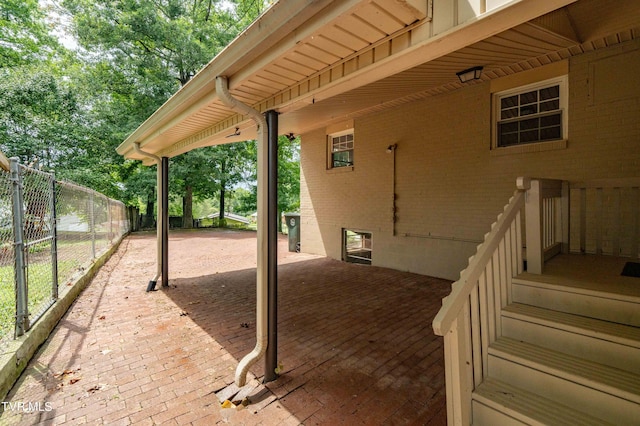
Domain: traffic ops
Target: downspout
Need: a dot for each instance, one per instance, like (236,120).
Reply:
(158,161)
(392,150)
(271,356)
(262,339)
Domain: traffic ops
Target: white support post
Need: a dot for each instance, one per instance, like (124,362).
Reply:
(533,221)
(459,374)
(565,223)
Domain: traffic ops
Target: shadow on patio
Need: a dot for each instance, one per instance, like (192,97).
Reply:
(355,341)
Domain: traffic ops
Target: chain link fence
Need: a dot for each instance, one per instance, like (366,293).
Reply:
(50,233)
(7,259)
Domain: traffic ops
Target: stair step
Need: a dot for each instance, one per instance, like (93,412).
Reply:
(496,402)
(577,297)
(604,342)
(598,390)
(607,379)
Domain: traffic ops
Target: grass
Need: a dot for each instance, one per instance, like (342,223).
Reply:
(72,255)
(7,302)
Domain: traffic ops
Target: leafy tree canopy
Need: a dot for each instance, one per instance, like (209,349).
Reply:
(24,36)
(141,52)
(288,180)
(39,117)
(69,109)
(173,38)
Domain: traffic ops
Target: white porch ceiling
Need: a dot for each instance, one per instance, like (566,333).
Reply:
(312,74)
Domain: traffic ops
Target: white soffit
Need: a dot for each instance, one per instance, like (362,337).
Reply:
(330,35)
(314,72)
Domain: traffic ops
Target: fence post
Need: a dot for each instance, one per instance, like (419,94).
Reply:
(110,220)
(22,314)
(54,237)
(92,224)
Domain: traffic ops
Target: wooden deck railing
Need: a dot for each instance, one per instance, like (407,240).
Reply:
(598,217)
(605,217)
(469,318)
(546,215)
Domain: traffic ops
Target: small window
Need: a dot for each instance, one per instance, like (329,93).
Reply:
(357,247)
(530,114)
(341,150)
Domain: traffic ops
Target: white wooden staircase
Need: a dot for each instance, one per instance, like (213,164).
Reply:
(559,361)
(537,349)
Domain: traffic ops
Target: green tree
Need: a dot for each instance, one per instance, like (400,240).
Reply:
(24,37)
(233,163)
(210,173)
(170,38)
(288,174)
(40,117)
(150,49)
(288,181)
(115,101)
(191,175)
(140,190)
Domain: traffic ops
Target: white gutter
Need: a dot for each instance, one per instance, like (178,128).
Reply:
(276,23)
(262,338)
(158,160)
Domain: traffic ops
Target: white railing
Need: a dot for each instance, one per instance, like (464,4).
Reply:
(546,213)
(469,318)
(605,217)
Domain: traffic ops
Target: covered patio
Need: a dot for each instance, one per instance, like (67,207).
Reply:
(355,347)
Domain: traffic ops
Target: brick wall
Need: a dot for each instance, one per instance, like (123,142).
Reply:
(449,184)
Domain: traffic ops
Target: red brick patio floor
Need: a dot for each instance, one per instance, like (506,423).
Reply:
(355,343)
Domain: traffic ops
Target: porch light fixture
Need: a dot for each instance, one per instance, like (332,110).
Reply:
(470,74)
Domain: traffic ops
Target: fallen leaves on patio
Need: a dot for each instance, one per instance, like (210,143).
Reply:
(95,388)
(64,375)
(227,404)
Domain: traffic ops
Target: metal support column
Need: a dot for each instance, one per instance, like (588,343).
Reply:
(271,356)
(165,222)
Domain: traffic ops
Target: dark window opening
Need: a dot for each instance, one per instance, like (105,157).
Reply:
(533,116)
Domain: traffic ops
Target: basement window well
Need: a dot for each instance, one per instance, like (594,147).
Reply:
(356,247)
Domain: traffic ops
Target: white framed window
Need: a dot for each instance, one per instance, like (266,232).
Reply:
(531,114)
(356,246)
(341,149)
